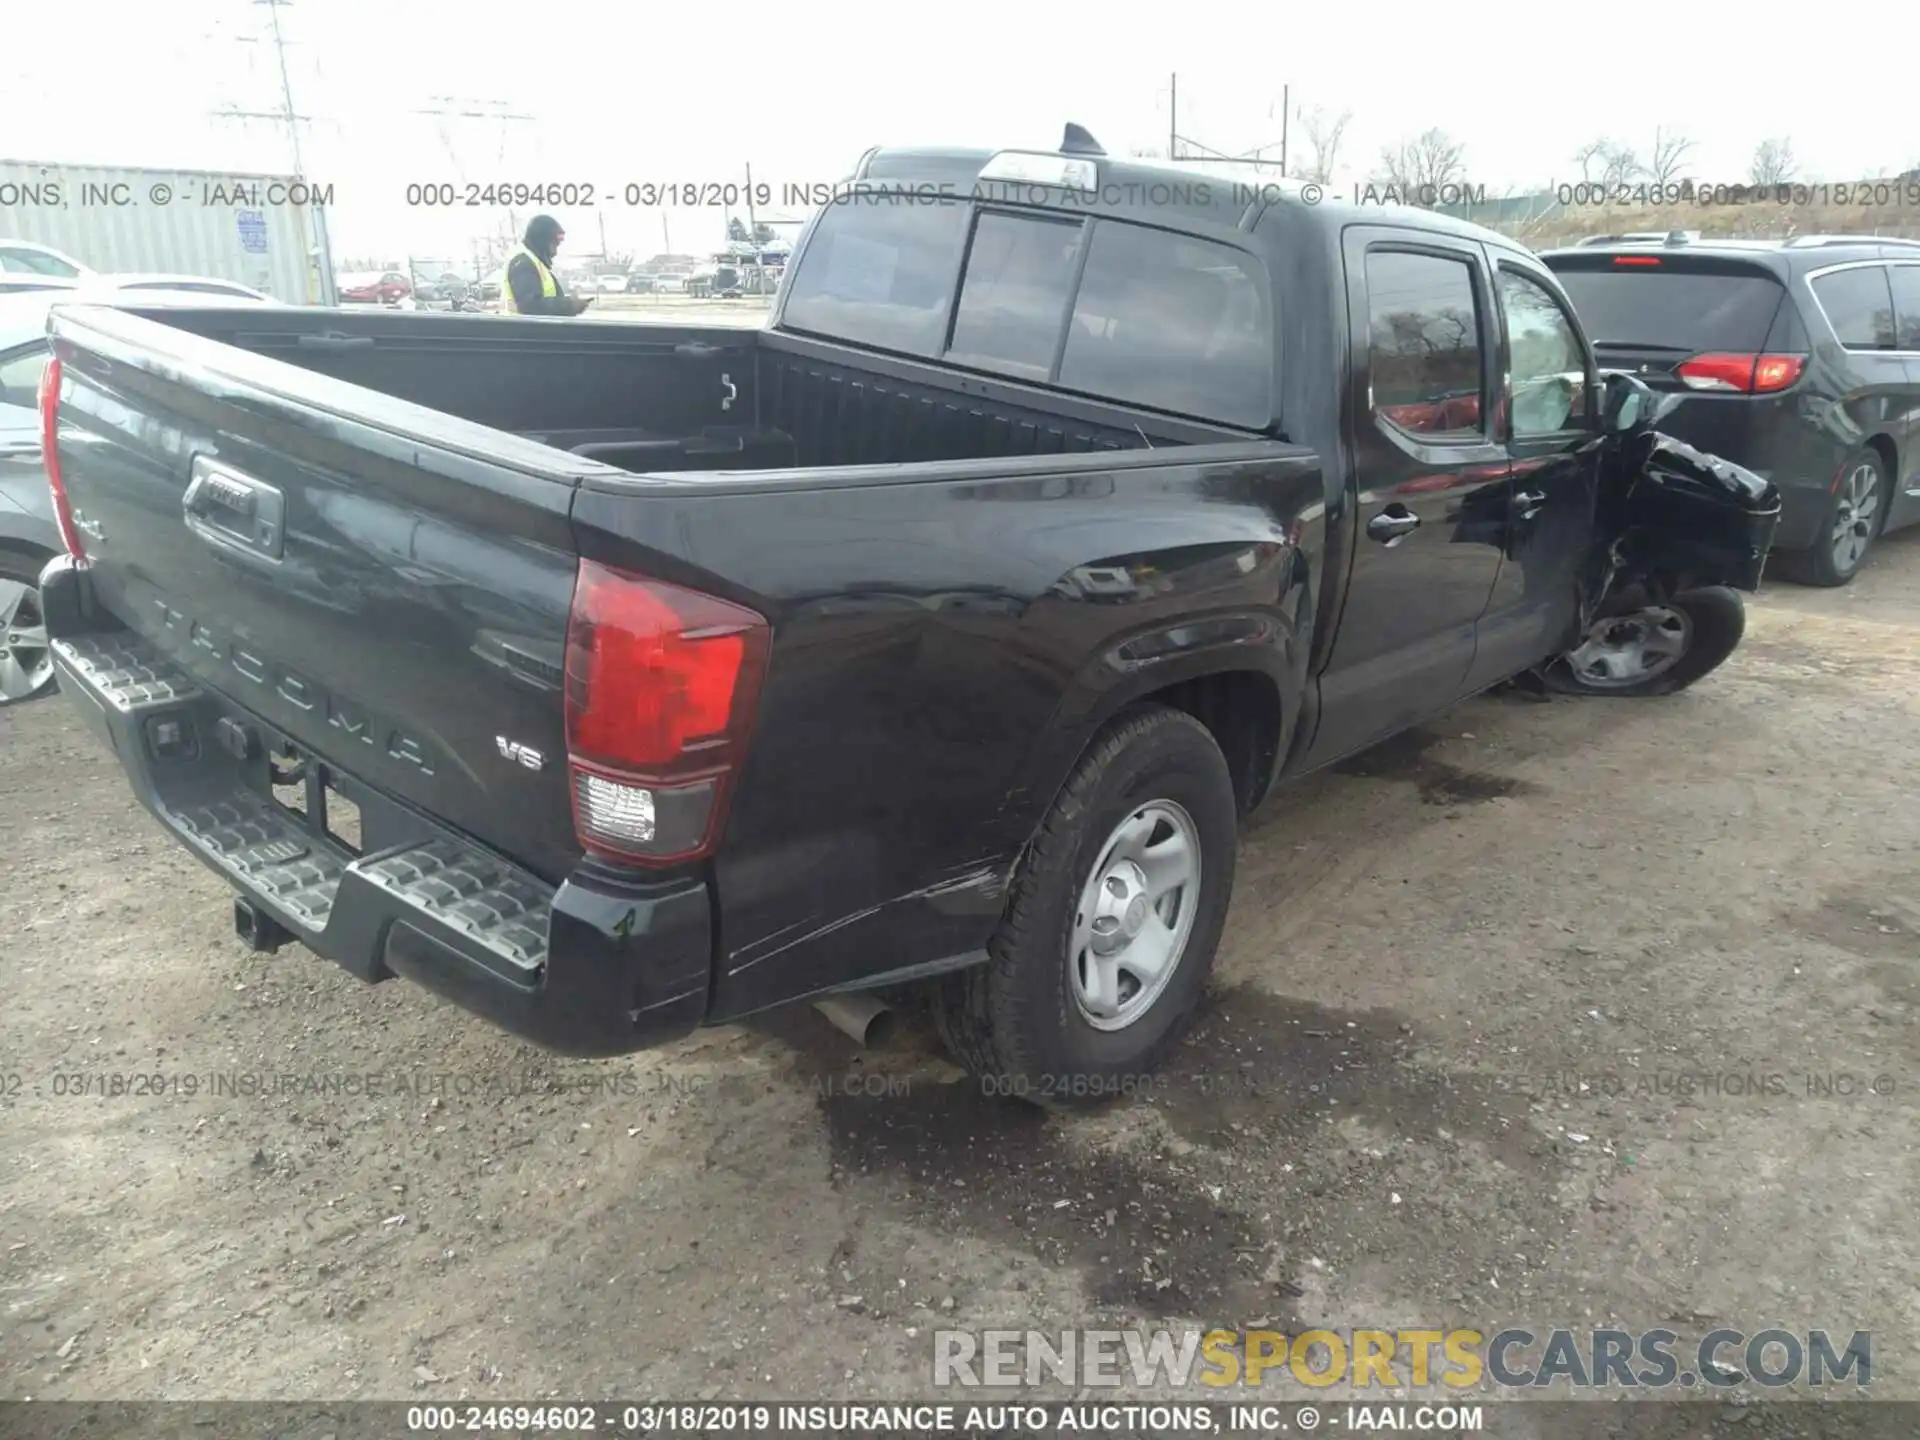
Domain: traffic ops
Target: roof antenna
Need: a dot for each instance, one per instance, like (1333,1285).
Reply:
(1079,142)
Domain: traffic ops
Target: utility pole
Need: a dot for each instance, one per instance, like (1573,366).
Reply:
(1286,111)
(1173,116)
(753,228)
(286,85)
(286,115)
(316,263)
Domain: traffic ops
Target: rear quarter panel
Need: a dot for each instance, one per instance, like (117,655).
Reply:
(944,647)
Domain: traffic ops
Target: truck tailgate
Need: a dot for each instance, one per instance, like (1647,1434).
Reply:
(384,587)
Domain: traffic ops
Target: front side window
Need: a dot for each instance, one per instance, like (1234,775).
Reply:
(1423,344)
(1548,379)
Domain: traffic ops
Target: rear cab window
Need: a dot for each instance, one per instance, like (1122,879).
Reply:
(1102,307)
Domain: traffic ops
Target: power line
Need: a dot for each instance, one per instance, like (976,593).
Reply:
(448,108)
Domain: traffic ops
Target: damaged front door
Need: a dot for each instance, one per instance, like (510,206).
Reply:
(1550,423)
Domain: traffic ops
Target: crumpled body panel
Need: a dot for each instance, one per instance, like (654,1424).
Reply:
(1676,518)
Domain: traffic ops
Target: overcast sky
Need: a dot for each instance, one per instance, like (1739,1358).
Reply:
(622,93)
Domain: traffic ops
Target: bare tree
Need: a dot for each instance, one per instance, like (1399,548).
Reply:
(1605,161)
(1670,152)
(1323,134)
(1589,157)
(1420,170)
(1773,162)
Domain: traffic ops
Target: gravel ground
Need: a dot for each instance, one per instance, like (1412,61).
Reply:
(1379,1119)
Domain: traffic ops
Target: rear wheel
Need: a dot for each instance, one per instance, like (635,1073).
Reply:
(1112,923)
(26,664)
(1853,519)
(1655,650)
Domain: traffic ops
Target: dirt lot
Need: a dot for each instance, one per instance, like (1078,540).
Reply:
(1377,1121)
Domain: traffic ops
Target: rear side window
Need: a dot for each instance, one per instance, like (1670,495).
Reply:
(1172,322)
(879,271)
(1014,299)
(1664,308)
(1858,305)
(20,372)
(1906,306)
(1423,346)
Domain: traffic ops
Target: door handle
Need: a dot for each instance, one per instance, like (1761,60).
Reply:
(1390,528)
(1528,502)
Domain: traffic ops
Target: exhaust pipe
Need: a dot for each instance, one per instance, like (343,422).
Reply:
(865,1020)
(258,931)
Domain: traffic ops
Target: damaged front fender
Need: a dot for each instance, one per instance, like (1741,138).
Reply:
(1671,518)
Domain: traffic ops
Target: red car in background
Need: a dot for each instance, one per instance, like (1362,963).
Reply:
(373,288)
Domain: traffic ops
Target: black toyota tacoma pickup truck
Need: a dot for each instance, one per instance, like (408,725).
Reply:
(614,679)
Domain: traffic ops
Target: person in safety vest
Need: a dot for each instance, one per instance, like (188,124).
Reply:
(531,287)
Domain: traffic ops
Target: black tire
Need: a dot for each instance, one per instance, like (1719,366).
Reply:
(1014,1022)
(1819,565)
(24,569)
(1715,618)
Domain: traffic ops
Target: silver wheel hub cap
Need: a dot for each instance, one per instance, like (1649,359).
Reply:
(26,664)
(1135,915)
(1856,512)
(1624,650)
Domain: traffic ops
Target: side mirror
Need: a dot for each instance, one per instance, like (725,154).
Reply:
(1626,405)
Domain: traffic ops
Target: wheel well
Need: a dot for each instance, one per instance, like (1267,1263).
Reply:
(20,550)
(1882,445)
(1241,709)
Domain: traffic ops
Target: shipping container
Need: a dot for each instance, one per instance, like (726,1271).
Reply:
(266,231)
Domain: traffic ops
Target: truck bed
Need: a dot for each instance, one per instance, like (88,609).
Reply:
(652,398)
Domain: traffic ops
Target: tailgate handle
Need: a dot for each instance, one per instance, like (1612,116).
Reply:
(332,340)
(234,512)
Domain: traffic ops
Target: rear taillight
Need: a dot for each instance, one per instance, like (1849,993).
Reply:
(1743,374)
(50,458)
(662,687)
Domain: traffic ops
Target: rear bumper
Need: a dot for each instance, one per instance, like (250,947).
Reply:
(598,966)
